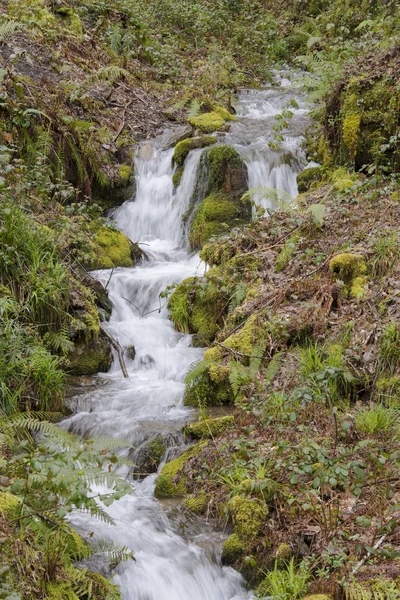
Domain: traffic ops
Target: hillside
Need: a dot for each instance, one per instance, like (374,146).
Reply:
(299,311)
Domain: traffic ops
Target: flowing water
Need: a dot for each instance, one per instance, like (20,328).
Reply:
(169,566)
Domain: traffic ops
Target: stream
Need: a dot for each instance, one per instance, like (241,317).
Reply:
(173,561)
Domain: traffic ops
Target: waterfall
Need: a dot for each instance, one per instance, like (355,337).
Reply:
(167,566)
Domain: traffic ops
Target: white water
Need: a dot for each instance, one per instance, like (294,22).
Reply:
(168,567)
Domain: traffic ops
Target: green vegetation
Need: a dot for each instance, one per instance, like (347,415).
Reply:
(223,205)
(299,312)
(112,249)
(209,428)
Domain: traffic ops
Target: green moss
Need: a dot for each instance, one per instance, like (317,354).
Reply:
(306,178)
(177,176)
(156,450)
(60,591)
(112,249)
(248,516)
(357,289)
(169,483)
(194,308)
(124,174)
(196,504)
(9,505)
(351,133)
(232,550)
(284,552)
(205,391)
(253,333)
(208,122)
(183,148)
(179,305)
(342,180)
(209,428)
(32,12)
(219,161)
(89,357)
(215,215)
(71,20)
(224,113)
(350,269)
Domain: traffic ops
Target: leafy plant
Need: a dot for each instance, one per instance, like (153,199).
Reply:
(289,583)
(375,418)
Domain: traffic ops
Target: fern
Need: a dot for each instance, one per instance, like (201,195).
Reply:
(115,554)
(382,590)
(274,366)
(194,108)
(112,73)
(239,375)
(238,296)
(179,104)
(278,199)
(7,30)
(196,370)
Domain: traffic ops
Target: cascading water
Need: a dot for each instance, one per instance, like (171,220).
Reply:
(167,567)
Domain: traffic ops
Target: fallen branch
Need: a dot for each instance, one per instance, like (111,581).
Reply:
(366,557)
(119,350)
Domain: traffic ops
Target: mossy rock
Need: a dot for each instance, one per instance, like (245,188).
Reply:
(224,113)
(71,20)
(253,333)
(308,177)
(216,215)
(177,176)
(208,122)
(248,516)
(232,550)
(9,505)
(113,249)
(183,148)
(350,268)
(194,309)
(284,552)
(219,202)
(208,428)
(226,172)
(89,356)
(205,392)
(170,483)
(361,111)
(196,504)
(149,455)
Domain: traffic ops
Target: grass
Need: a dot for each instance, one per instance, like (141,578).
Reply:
(389,358)
(285,584)
(375,419)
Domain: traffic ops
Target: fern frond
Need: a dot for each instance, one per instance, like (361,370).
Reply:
(279,199)
(116,554)
(194,108)
(7,30)
(111,73)
(197,369)
(274,366)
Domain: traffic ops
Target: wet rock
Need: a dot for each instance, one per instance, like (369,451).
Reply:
(146,152)
(131,352)
(89,356)
(148,455)
(218,203)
